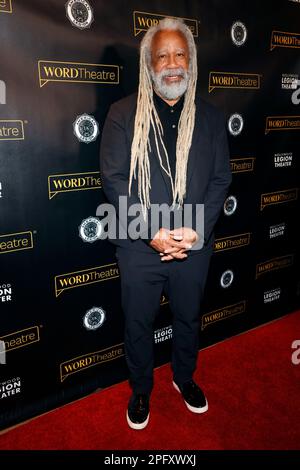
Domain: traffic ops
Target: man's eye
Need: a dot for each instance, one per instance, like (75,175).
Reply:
(162,56)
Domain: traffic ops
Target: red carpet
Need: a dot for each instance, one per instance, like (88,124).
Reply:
(253,390)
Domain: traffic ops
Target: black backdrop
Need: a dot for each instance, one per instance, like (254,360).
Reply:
(51,73)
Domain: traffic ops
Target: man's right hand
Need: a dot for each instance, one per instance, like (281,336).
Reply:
(163,241)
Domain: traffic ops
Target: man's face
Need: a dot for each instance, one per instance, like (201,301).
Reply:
(170,63)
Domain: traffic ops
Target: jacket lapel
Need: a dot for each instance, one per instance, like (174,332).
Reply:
(191,166)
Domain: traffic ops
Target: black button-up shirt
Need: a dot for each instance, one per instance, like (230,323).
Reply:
(169,117)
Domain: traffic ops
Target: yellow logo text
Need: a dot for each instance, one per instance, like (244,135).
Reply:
(278,197)
(21,338)
(233,80)
(241,165)
(11,129)
(55,71)
(284,39)
(235,241)
(142,21)
(77,364)
(274,264)
(5,6)
(223,313)
(85,277)
(16,242)
(73,182)
(282,123)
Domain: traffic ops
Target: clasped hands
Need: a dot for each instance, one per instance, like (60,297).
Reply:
(173,244)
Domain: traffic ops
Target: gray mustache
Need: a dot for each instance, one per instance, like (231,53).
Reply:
(172,73)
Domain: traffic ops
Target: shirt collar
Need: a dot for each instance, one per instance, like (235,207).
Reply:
(161,105)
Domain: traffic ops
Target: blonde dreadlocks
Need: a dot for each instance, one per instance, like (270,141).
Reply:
(146,117)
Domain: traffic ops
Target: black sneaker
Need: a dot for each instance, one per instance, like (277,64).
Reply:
(138,411)
(193,396)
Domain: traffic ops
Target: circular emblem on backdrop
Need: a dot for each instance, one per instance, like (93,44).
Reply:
(86,128)
(230,205)
(226,278)
(90,229)
(94,318)
(235,124)
(80,13)
(238,33)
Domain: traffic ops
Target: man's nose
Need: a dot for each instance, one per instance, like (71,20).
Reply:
(172,61)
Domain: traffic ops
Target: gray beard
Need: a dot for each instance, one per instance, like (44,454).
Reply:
(173,90)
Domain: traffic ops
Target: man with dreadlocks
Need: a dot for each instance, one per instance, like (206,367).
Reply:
(167,146)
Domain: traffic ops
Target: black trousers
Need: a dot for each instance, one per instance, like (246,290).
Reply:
(143,278)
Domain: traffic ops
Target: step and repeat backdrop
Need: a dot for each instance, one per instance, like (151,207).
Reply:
(62,64)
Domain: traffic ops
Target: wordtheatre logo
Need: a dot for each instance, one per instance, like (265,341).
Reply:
(21,338)
(86,128)
(90,229)
(277,230)
(94,318)
(230,205)
(226,279)
(245,81)
(278,197)
(272,295)
(85,277)
(284,39)
(163,334)
(2,92)
(11,129)
(238,33)
(77,72)
(282,123)
(283,160)
(223,313)
(5,293)
(68,182)
(81,363)
(235,124)
(80,13)
(16,242)
(142,21)
(10,387)
(234,241)
(242,165)
(5,6)
(274,264)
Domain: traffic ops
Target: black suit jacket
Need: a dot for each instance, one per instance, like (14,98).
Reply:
(208,173)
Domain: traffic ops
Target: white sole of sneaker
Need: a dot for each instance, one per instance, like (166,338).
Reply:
(137,426)
(193,409)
